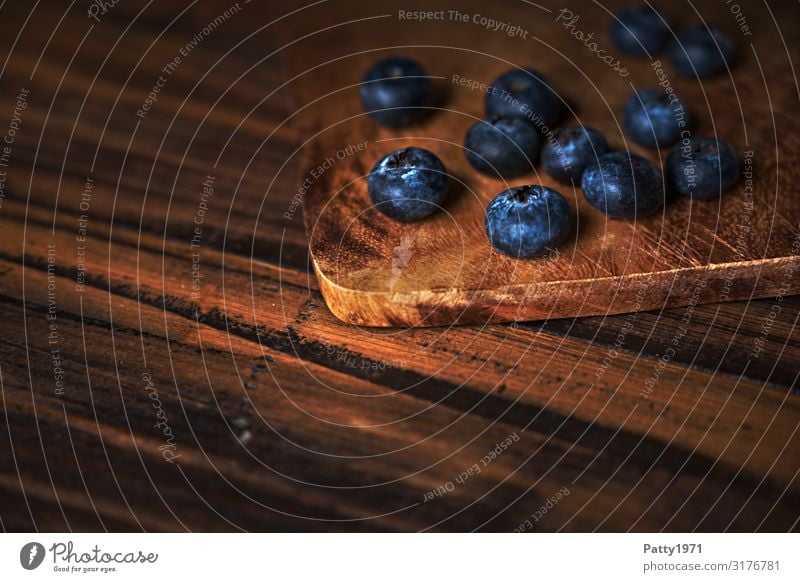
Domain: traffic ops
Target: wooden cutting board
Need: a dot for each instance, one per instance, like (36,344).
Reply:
(377,272)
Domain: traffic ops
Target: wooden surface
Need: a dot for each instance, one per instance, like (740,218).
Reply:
(377,272)
(283,417)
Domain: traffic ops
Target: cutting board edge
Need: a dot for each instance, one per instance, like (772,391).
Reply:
(537,301)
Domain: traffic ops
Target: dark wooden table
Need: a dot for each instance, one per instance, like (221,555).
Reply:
(169,364)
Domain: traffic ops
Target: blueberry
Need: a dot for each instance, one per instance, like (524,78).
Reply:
(527,220)
(523,93)
(639,31)
(702,52)
(395,92)
(623,185)
(655,119)
(408,184)
(572,149)
(504,146)
(703,168)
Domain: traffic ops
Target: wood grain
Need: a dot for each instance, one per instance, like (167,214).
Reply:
(287,419)
(377,272)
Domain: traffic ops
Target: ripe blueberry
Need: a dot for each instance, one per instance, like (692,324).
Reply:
(703,168)
(523,93)
(408,184)
(504,146)
(573,149)
(527,220)
(702,52)
(655,119)
(395,92)
(639,31)
(623,185)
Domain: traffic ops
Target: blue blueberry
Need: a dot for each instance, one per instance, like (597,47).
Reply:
(654,118)
(395,92)
(703,168)
(527,220)
(702,52)
(504,146)
(523,93)
(408,184)
(623,185)
(639,31)
(572,149)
